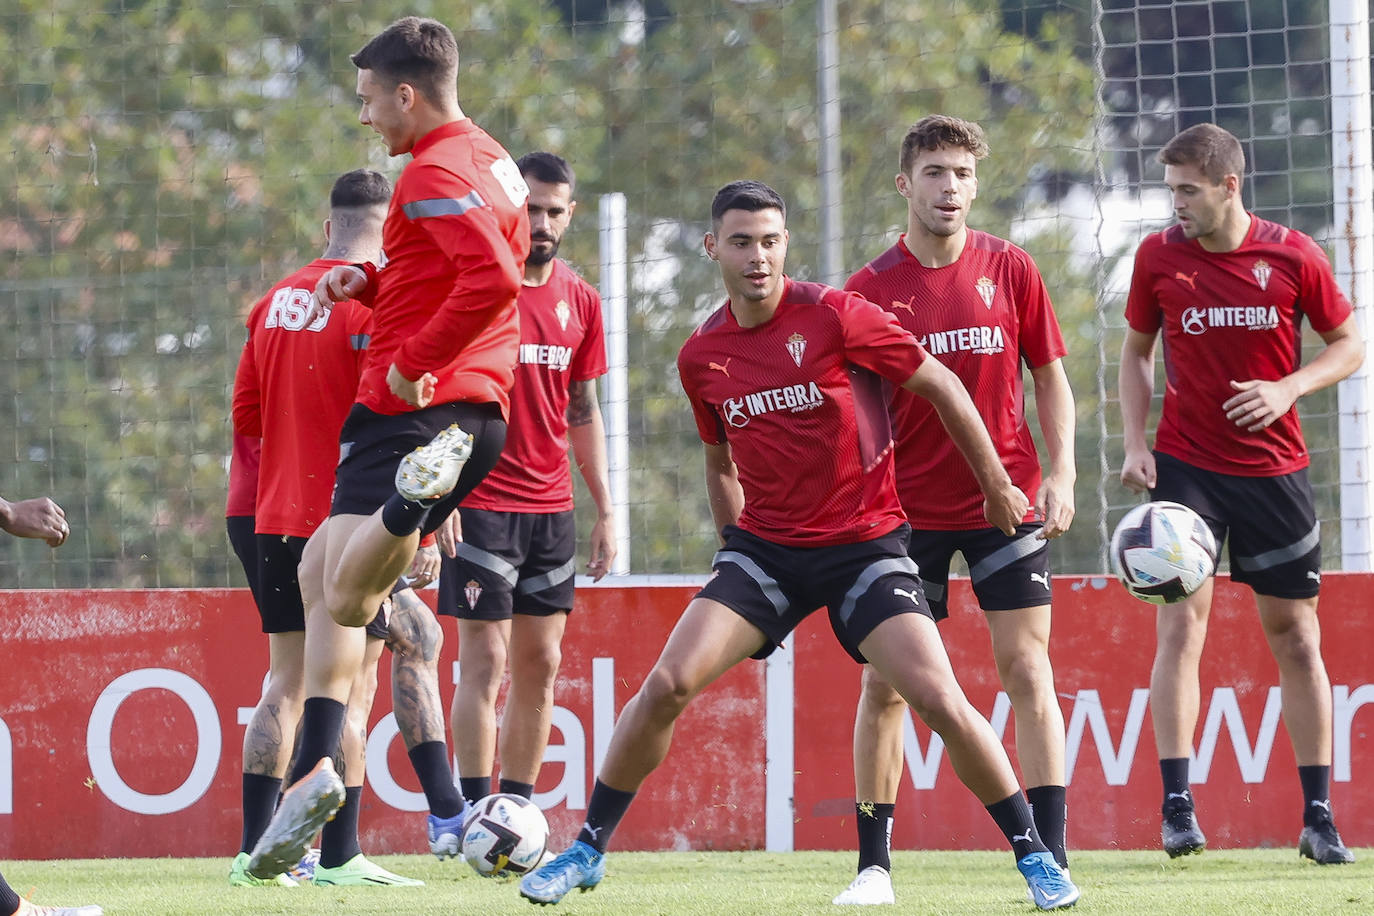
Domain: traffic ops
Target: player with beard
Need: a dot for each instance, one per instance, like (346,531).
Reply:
(799,474)
(981,308)
(1229,292)
(511,583)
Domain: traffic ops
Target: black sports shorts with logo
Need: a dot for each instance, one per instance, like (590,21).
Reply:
(508,563)
(1274,542)
(1007,573)
(245,544)
(279,589)
(371,446)
(776,587)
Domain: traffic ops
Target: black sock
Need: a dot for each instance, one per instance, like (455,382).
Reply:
(402,517)
(259,801)
(339,837)
(1050,810)
(1316,794)
(474,788)
(321,728)
(604,811)
(1013,816)
(875,834)
(1174,772)
(9,900)
(511,787)
(430,761)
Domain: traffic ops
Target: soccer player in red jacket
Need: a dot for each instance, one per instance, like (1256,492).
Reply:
(1229,292)
(430,417)
(788,384)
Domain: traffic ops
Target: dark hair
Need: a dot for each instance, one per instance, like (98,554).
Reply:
(747,194)
(549,168)
(421,52)
(935,132)
(360,188)
(1214,150)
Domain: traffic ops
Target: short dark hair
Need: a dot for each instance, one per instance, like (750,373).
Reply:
(746,194)
(360,188)
(549,168)
(421,52)
(935,132)
(1214,150)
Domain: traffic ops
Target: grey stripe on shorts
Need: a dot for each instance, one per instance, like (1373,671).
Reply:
(488,561)
(934,590)
(875,571)
(1280,555)
(766,583)
(1003,557)
(537,584)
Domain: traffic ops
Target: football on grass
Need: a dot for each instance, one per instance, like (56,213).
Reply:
(506,834)
(1163,552)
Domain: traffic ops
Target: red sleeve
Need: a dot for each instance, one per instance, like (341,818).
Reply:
(247,403)
(708,423)
(1142,308)
(487,283)
(1041,340)
(875,340)
(1320,297)
(589,361)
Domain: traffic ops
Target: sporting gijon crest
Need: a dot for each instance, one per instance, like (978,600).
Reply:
(1262,272)
(796,347)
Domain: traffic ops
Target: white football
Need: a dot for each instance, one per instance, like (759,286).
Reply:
(1163,552)
(505,834)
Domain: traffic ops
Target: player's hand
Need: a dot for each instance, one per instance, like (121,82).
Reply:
(424,569)
(35,518)
(1005,508)
(603,548)
(339,284)
(449,535)
(1054,505)
(417,393)
(1259,403)
(1138,471)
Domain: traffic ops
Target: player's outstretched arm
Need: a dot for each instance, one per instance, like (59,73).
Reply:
(39,517)
(1135,386)
(1004,505)
(338,284)
(1260,402)
(1054,405)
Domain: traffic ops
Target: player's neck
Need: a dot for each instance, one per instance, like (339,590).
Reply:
(1229,234)
(935,250)
(750,313)
(353,252)
(537,274)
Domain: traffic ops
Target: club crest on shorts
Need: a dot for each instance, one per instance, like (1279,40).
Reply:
(1262,272)
(796,346)
(562,312)
(472,591)
(986,290)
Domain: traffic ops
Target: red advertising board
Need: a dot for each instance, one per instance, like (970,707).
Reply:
(122,712)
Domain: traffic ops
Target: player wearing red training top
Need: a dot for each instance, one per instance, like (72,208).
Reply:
(511,585)
(977,303)
(430,417)
(788,383)
(1229,291)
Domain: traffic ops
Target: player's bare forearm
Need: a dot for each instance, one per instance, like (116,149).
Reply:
(415,638)
(587,435)
(39,517)
(1054,405)
(1259,402)
(1135,388)
(723,487)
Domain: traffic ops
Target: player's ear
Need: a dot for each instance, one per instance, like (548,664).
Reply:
(903,185)
(708,242)
(326,230)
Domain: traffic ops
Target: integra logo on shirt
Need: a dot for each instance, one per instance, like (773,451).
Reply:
(794,398)
(982,339)
(1197,321)
(289,309)
(552,355)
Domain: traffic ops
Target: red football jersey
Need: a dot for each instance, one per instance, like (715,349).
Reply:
(1231,315)
(243,476)
(982,316)
(294,386)
(561,341)
(802,402)
(454,247)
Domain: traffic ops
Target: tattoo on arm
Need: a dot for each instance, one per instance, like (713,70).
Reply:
(582,404)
